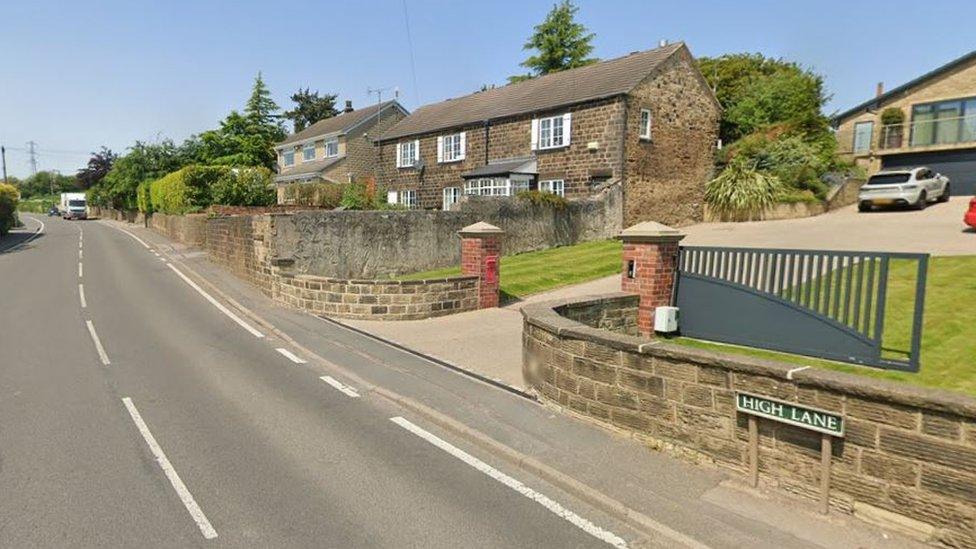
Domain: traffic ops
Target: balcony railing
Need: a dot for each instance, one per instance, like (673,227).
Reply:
(928,133)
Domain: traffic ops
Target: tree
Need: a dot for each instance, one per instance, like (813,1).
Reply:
(98,167)
(560,41)
(143,162)
(310,108)
(248,138)
(43,183)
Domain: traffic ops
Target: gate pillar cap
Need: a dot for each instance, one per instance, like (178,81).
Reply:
(481,229)
(651,231)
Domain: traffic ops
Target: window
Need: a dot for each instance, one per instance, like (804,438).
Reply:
(551,133)
(645,124)
(451,197)
(450,148)
(944,122)
(408,198)
(862,137)
(308,152)
(408,153)
(496,186)
(332,147)
(288,157)
(554,186)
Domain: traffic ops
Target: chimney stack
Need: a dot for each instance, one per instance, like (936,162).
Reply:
(663,42)
(879,91)
(348,106)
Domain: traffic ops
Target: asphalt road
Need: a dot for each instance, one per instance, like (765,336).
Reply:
(139,408)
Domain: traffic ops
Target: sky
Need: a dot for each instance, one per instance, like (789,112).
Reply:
(79,75)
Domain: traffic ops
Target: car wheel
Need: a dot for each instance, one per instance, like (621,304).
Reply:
(923,201)
(944,197)
(863,207)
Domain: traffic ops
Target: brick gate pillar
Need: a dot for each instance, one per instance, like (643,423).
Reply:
(481,247)
(650,262)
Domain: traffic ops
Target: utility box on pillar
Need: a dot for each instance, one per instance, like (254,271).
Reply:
(481,248)
(650,262)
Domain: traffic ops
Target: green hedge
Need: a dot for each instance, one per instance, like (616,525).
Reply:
(186,190)
(8,207)
(143,197)
(245,187)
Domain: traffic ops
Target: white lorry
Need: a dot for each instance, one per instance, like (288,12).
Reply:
(73,206)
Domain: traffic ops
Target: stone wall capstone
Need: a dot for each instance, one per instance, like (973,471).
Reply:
(908,452)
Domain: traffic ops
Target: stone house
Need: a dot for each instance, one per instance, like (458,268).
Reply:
(335,150)
(931,121)
(647,121)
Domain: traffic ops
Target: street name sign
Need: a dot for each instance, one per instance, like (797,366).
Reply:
(791,413)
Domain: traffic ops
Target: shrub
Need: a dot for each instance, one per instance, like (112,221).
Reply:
(798,161)
(741,190)
(143,199)
(323,195)
(244,187)
(186,190)
(892,116)
(538,198)
(8,207)
(363,195)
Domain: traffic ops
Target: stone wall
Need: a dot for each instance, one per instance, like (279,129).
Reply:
(368,244)
(793,210)
(189,229)
(908,458)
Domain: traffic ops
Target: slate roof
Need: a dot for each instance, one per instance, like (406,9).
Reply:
(301,169)
(340,123)
(502,167)
(597,81)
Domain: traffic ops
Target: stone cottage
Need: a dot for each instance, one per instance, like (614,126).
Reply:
(647,121)
(335,150)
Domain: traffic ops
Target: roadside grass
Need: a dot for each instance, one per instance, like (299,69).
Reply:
(948,358)
(38,204)
(533,272)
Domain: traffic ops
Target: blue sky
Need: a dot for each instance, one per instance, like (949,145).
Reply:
(78,75)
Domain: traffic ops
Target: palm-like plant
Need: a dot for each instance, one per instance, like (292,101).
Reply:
(741,190)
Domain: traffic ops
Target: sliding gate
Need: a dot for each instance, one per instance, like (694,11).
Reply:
(827,304)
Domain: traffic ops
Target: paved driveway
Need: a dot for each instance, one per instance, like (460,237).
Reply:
(938,230)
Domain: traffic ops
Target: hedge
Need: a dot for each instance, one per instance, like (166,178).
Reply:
(244,187)
(8,207)
(186,190)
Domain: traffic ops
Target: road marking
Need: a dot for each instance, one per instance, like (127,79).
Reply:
(98,343)
(576,520)
(79,243)
(174,478)
(163,259)
(141,241)
(81,270)
(81,254)
(216,303)
(37,233)
(81,294)
(341,387)
(291,356)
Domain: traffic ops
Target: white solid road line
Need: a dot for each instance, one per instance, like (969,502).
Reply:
(81,270)
(216,303)
(291,356)
(174,478)
(40,229)
(341,387)
(98,343)
(576,520)
(81,295)
(141,241)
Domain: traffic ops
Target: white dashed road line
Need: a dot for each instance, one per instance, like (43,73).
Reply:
(98,343)
(216,303)
(291,356)
(81,295)
(576,520)
(81,270)
(341,387)
(174,478)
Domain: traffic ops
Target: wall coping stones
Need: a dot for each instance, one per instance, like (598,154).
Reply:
(651,231)
(546,316)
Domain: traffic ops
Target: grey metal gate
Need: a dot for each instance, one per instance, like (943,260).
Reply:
(827,304)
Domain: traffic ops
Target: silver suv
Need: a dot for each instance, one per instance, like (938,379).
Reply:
(914,187)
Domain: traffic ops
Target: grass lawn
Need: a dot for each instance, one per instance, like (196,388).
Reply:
(38,204)
(948,336)
(534,272)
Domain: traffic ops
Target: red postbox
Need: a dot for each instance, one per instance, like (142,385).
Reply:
(491,269)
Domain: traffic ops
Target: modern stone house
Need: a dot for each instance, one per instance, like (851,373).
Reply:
(336,150)
(647,121)
(931,121)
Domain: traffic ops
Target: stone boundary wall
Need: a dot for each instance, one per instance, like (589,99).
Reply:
(246,246)
(844,194)
(908,459)
(190,229)
(839,196)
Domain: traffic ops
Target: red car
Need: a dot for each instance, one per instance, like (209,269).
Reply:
(970,217)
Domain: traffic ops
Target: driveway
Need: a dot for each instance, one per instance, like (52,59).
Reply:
(938,230)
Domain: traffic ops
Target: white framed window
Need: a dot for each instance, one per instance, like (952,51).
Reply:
(645,124)
(451,195)
(332,147)
(308,152)
(551,132)
(288,157)
(554,186)
(408,153)
(451,148)
(496,186)
(408,198)
(862,137)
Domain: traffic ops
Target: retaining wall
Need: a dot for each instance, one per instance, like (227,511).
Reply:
(188,229)
(908,459)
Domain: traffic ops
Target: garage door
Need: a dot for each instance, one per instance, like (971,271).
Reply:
(959,166)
